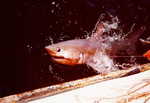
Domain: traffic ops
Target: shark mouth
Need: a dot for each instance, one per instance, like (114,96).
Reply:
(67,61)
(58,57)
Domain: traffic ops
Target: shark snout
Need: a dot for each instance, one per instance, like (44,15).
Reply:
(50,51)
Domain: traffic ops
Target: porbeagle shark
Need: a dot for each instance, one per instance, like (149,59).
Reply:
(82,51)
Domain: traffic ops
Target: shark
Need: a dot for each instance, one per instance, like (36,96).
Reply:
(83,51)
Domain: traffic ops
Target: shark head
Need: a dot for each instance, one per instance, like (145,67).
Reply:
(70,52)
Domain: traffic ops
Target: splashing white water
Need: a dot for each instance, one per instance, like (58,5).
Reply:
(102,63)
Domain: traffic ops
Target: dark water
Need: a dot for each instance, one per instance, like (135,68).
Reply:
(38,20)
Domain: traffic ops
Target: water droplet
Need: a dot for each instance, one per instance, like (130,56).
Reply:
(52,11)
(28,46)
(57,5)
(53,3)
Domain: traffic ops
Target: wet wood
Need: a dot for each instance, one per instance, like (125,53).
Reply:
(125,88)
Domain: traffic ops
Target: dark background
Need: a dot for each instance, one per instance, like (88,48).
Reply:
(39,20)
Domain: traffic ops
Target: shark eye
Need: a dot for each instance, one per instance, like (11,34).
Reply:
(58,49)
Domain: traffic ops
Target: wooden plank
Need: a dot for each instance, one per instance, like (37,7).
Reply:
(60,88)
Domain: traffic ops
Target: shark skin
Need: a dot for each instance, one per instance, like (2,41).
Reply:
(82,51)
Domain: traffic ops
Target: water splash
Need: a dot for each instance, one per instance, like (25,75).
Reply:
(103,62)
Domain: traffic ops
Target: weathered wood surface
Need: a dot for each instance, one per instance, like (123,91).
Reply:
(131,89)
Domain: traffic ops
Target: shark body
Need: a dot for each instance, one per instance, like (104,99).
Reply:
(82,51)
